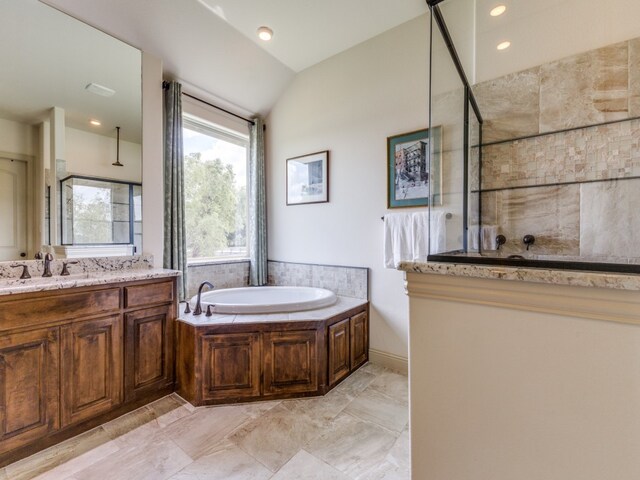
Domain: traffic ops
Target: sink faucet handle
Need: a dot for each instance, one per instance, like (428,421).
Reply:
(25,270)
(38,256)
(186,308)
(65,268)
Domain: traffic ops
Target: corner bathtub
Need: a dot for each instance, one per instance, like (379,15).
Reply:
(254,300)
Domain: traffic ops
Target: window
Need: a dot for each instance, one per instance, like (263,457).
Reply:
(215,177)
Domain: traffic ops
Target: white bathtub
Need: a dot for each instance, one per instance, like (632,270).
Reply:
(266,299)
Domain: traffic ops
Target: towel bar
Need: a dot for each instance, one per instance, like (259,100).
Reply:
(448,216)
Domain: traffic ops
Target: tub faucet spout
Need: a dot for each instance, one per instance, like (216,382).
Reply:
(198,309)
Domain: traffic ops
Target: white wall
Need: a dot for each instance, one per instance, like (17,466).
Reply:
(18,138)
(92,154)
(152,159)
(349,105)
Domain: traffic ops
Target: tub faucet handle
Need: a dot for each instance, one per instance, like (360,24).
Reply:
(186,308)
(209,310)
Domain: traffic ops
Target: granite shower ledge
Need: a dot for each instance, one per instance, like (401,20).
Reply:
(617,281)
(342,305)
(10,286)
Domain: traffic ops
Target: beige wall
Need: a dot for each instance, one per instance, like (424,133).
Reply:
(527,393)
(349,105)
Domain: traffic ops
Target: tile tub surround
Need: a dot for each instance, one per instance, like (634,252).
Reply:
(344,281)
(358,431)
(227,274)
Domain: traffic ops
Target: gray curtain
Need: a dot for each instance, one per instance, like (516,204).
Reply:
(257,222)
(175,251)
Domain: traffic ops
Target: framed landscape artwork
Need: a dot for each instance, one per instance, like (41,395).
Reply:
(308,178)
(408,182)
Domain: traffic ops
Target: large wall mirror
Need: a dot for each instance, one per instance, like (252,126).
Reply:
(70,108)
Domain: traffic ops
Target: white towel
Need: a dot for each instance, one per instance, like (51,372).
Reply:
(488,236)
(398,232)
(437,232)
(420,237)
(484,236)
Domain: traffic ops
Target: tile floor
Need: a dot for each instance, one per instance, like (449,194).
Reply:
(359,430)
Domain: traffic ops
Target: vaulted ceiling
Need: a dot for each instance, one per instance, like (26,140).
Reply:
(212,47)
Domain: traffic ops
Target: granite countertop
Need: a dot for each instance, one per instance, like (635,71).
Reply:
(10,286)
(619,281)
(342,305)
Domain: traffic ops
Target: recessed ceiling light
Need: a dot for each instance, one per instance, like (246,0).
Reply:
(100,90)
(503,45)
(95,123)
(265,33)
(497,11)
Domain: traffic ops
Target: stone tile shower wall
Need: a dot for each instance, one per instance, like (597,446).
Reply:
(592,212)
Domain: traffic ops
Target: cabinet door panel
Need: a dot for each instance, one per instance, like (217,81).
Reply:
(290,362)
(148,351)
(339,351)
(28,387)
(359,339)
(91,368)
(231,366)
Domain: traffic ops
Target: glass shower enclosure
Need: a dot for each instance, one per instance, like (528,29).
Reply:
(538,128)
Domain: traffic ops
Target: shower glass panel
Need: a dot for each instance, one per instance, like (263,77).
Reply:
(538,115)
(100,212)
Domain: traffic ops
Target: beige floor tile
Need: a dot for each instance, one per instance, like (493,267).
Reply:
(373,406)
(353,446)
(323,409)
(81,462)
(45,460)
(256,409)
(397,463)
(276,436)
(356,383)
(373,368)
(169,409)
(393,385)
(305,466)
(225,461)
(206,427)
(126,424)
(158,460)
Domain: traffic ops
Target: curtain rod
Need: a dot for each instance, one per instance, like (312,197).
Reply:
(165,85)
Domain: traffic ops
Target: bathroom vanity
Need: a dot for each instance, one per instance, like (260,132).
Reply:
(79,351)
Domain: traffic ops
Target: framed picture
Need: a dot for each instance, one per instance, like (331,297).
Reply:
(408,169)
(308,178)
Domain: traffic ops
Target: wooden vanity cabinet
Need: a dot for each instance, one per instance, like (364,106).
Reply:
(90,368)
(149,351)
(74,358)
(29,387)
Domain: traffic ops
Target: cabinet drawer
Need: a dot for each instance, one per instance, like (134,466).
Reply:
(58,306)
(148,294)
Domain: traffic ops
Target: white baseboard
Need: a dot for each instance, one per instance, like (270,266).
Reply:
(389,360)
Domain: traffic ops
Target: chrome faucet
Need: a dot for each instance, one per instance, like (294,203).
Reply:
(47,265)
(198,309)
